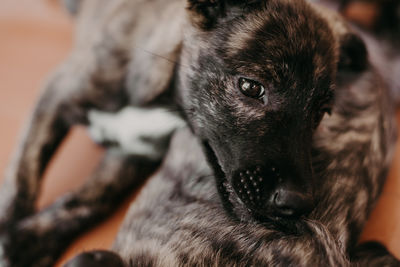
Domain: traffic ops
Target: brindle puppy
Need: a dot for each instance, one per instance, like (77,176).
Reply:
(253,79)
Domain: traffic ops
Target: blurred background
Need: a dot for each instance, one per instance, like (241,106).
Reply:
(35,36)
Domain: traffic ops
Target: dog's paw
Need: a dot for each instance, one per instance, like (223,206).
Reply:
(135,131)
(23,248)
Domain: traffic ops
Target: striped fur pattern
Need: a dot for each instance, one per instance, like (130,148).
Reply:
(188,58)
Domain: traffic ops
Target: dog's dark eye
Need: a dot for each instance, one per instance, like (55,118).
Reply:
(251,88)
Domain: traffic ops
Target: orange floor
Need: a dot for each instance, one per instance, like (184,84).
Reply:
(34,37)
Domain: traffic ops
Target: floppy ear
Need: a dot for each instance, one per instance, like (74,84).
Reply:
(205,13)
(353,53)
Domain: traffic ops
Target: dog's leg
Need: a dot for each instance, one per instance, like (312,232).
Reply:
(76,86)
(44,132)
(116,176)
(46,234)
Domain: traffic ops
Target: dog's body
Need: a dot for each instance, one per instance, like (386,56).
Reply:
(178,219)
(267,153)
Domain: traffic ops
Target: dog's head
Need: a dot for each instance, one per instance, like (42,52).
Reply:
(256,78)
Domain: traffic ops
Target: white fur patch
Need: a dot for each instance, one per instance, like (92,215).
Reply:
(136,131)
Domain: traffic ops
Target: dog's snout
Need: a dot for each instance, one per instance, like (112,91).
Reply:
(289,203)
(249,186)
(253,186)
(266,192)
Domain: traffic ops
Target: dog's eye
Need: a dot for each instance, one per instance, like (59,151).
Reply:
(251,88)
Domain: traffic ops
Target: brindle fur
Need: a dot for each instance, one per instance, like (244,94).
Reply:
(126,53)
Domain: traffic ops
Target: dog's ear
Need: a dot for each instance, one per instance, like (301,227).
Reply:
(353,53)
(205,13)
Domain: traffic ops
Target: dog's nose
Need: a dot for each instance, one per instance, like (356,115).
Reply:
(265,192)
(289,203)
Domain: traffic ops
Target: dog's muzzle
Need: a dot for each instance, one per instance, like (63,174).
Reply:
(267,193)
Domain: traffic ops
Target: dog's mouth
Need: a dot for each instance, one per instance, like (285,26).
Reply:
(264,192)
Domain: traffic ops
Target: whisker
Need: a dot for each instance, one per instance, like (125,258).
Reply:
(159,56)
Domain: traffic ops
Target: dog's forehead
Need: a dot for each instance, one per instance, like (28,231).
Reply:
(286,42)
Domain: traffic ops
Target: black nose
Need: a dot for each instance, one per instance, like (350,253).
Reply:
(289,203)
(267,192)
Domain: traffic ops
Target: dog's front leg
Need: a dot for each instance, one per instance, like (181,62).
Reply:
(46,234)
(44,131)
(69,93)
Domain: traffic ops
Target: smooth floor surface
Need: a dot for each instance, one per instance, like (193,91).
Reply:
(35,36)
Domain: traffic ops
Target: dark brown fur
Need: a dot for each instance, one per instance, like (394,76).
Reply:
(189,213)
